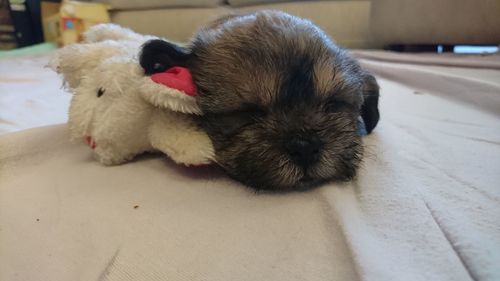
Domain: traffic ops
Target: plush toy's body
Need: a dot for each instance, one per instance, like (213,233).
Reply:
(118,111)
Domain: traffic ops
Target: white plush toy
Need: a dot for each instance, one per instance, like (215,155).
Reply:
(118,111)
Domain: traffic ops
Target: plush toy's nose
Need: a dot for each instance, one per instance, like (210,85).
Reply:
(178,78)
(90,142)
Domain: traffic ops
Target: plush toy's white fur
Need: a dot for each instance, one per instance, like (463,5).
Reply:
(134,114)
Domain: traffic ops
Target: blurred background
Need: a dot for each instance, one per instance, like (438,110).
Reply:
(400,25)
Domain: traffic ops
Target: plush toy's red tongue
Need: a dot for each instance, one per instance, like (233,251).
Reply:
(177,78)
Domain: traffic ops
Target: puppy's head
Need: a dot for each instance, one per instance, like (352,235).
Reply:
(281,101)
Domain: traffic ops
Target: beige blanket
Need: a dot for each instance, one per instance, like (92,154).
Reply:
(426,204)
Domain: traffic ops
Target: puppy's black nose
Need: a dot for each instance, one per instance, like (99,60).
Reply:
(304,152)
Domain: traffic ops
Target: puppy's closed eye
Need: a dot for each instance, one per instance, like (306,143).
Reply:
(229,123)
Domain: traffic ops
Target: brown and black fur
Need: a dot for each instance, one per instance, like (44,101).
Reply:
(280,100)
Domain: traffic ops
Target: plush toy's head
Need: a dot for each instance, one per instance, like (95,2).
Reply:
(119,111)
(107,81)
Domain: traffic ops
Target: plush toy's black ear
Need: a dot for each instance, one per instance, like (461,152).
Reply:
(158,55)
(369,109)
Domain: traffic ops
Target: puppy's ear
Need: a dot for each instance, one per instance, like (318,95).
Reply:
(369,109)
(159,55)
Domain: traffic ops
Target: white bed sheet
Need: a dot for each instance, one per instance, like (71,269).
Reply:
(425,206)
(30,95)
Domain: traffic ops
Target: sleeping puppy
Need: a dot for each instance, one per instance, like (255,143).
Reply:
(281,101)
